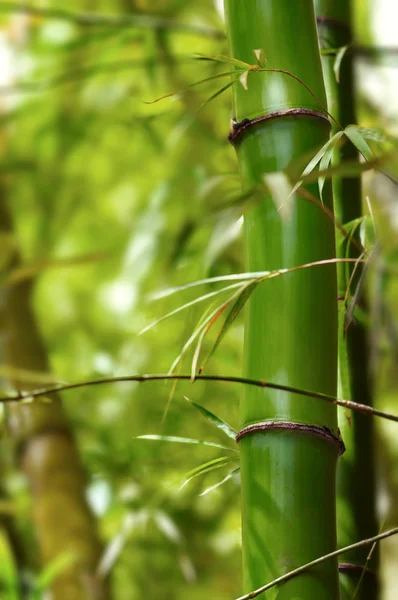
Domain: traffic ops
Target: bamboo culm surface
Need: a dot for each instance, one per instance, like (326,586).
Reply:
(288,474)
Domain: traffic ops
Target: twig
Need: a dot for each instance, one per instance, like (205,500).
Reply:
(317,561)
(362,408)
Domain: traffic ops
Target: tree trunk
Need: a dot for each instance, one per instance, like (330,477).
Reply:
(47,451)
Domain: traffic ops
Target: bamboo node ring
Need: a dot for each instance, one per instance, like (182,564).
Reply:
(245,124)
(322,432)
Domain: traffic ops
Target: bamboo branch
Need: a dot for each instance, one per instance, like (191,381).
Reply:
(362,408)
(317,561)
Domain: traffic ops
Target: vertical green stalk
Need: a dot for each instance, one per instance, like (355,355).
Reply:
(289,445)
(355,481)
(47,451)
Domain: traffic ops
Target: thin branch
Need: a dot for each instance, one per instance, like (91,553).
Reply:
(317,561)
(121,21)
(362,408)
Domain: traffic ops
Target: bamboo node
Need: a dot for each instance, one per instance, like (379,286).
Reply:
(245,124)
(323,432)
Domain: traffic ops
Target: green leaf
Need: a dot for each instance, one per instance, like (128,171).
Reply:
(181,440)
(229,60)
(260,57)
(216,94)
(315,160)
(214,318)
(220,483)
(185,90)
(337,61)
(356,137)
(243,297)
(214,420)
(326,160)
(208,467)
(189,304)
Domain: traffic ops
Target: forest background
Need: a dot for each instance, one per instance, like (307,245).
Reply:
(113,199)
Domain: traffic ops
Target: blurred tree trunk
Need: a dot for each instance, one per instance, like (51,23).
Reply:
(46,449)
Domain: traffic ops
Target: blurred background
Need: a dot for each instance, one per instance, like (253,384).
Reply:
(108,200)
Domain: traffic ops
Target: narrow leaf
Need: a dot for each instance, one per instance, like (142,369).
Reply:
(185,90)
(209,467)
(216,94)
(326,160)
(244,80)
(189,304)
(181,440)
(355,136)
(220,483)
(337,62)
(214,420)
(243,297)
(260,57)
(229,60)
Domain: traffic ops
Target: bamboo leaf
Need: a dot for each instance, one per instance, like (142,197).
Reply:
(189,87)
(189,304)
(243,297)
(355,136)
(260,57)
(315,160)
(216,94)
(229,60)
(338,60)
(215,316)
(220,483)
(214,420)
(326,160)
(244,80)
(349,316)
(208,467)
(181,440)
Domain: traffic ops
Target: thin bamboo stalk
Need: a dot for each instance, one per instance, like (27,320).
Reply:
(356,514)
(288,474)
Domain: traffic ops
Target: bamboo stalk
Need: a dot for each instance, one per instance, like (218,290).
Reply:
(288,474)
(356,514)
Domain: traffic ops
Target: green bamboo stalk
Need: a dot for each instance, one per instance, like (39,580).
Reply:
(47,451)
(356,514)
(288,475)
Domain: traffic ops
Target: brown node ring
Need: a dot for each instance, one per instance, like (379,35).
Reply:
(245,124)
(322,432)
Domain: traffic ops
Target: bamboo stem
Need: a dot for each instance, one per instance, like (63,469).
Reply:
(356,513)
(288,476)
